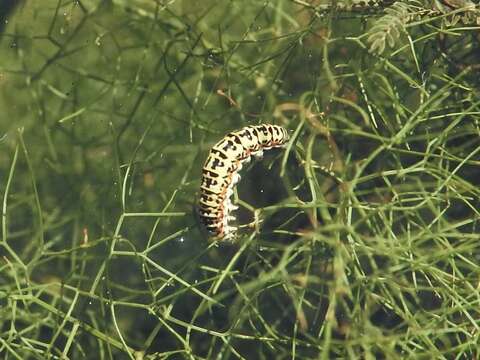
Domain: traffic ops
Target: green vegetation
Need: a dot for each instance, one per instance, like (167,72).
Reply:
(108,109)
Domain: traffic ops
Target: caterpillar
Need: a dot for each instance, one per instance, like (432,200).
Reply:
(353,5)
(220,173)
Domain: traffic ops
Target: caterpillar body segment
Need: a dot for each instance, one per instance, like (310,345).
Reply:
(221,173)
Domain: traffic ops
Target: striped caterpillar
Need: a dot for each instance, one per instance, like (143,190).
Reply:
(353,5)
(220,173)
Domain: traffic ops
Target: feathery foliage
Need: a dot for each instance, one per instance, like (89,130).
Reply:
(108,111)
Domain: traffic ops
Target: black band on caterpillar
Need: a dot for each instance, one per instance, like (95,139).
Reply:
(220,173)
